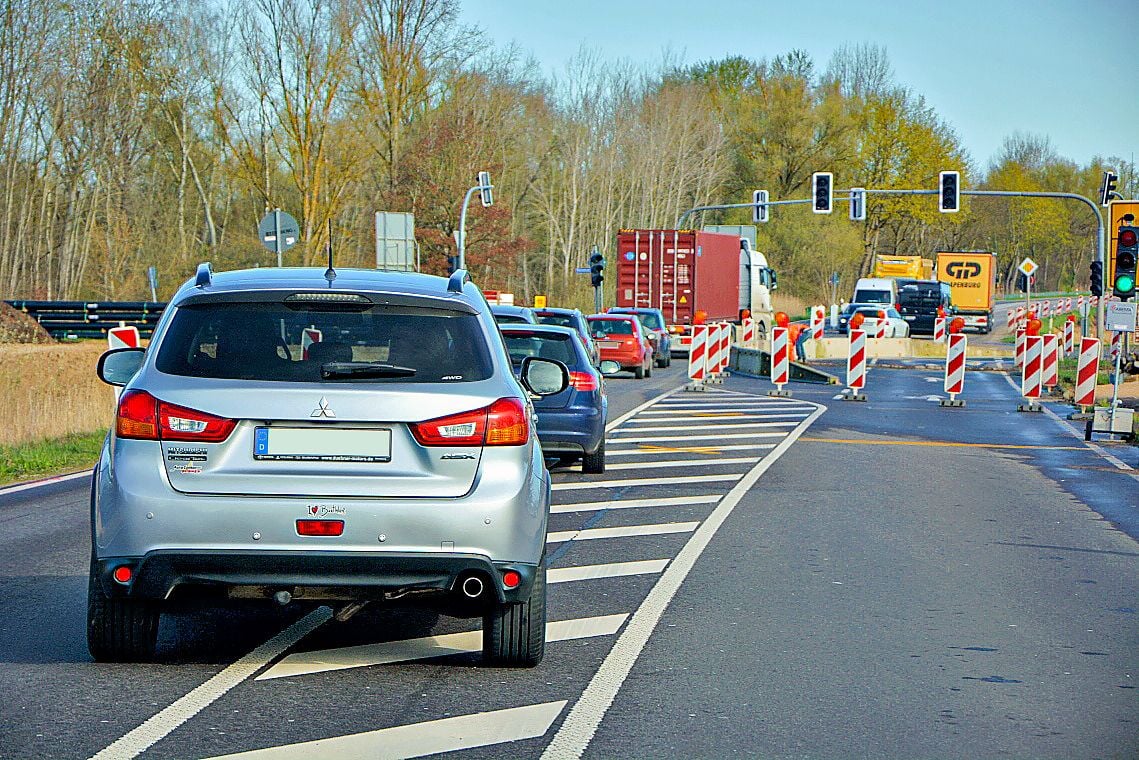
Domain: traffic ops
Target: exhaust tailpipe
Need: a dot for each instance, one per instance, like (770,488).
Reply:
(473,587)
(282,598)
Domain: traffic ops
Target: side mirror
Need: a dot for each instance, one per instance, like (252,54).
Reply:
(118,366)
(609,367)
(544,377)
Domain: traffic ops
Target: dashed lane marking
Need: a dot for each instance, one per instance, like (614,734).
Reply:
(611,570)
(621,531)
(674,501)
(725,416)
(418,739)
(672,438)
(708,462)
(427,647)
(659,482)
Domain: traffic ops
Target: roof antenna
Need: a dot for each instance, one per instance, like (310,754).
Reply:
(330,273)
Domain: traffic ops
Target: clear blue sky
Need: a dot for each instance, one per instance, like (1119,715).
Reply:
(1067,69)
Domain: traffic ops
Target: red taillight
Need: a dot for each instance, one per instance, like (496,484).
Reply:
(584,381)
(503,423)
(320,527)
(144,417)
(137,416)
(506,423)
(511,579)
(122,574)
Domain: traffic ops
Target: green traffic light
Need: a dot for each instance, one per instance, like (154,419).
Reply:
(1124,283)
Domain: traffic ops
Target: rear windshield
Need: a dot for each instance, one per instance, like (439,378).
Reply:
(872,296)
(273,342)
(510,319)
(522,344)
(611,327)
(561,320)
(650,320)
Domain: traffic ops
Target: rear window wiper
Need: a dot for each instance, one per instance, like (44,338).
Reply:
(330,370)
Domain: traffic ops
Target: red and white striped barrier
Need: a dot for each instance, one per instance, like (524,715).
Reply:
(1069,338)
(1094,301)
(856,365)
(1080,304)
(1020,313)
(1021,334)
(1011,318)
(939,329)
(1050,361)
(123,336)
(955,367)
(1030,374)
(698,354)
(1068,304)
(1046,309)
(724,349)
(818,320)
(747,332)
(879,329)
(1086,370)
(780,358)
(1116,346)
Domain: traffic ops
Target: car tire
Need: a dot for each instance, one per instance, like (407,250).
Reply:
(661,363)
(639,372)
(120,630)
(594,464)
(514,635)
(649,368)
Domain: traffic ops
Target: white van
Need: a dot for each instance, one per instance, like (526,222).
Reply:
(876,290)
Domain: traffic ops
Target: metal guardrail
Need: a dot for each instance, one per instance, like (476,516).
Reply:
(91,319)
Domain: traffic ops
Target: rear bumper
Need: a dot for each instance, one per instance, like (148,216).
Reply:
(573,430)
(336,575)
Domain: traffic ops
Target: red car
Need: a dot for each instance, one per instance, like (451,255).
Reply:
(621,338)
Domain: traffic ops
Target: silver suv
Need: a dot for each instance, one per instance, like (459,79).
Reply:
(346,437)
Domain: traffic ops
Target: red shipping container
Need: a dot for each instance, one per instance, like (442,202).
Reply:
(679,272)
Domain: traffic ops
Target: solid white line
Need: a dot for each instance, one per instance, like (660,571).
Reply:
(611,570)
(674,440)
(407,650)
(45,482)
(725,405)
(627,415)
(706,462)
(721,413)
(593,506)
(576,732)
(681,449)
(582,486)
(160,725)
(715,417)
(418,739)
(733,426)
(622,531)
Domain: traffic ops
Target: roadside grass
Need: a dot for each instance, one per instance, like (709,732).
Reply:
(51,392)
(791,305)
(27,461)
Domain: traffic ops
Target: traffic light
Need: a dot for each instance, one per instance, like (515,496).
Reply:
(1097,278)
(485,194)
(821,183)
(950,184)
(759,211)
(1107,187)
(1126,252)
(858,204)
(596,268)
(452,264)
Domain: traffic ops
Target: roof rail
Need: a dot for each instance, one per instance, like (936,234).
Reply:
(205,275)
(457,280)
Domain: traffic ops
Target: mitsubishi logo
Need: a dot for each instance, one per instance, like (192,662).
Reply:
(322,409)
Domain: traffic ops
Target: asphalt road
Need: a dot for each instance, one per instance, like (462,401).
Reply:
(751,577)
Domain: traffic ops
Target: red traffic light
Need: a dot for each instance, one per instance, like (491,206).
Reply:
(1127,238)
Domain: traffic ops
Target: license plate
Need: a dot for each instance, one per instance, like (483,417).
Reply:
(608,344)
(322,445)
(910,318)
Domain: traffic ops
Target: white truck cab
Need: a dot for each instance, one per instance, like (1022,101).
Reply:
(876,290)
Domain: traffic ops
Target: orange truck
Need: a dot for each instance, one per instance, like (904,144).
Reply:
(972,280)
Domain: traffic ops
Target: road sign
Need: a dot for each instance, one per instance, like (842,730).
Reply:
(123,336)
(1120,316)
(539,302)
(395,241)
(1027,267)
(278,232)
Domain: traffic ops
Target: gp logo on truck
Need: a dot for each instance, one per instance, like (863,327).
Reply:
(963,270)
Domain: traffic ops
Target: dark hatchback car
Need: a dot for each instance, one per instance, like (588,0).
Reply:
(506,314)
(654,320)
(571,424)
(574,319)
(919,301)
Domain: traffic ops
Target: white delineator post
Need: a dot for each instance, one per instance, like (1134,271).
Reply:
(1086,370)
(1030,374)
(697,358)
(856,366)
(1050,362)
(955,368)
(939,329)
(780,360)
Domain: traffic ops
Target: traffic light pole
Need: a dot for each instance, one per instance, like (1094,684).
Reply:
(463,222)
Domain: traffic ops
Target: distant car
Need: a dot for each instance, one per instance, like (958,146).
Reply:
(571,424)
(621,339)
(896,327)
(919,301)
(513,315)
(574,319)
(654,320)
